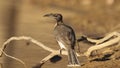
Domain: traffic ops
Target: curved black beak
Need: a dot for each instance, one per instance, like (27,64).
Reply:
(48,15)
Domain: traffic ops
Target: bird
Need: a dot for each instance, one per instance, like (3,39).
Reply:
(66,38)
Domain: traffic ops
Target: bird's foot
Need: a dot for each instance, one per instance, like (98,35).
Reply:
(60,51)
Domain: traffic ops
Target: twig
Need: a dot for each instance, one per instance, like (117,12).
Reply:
(53,52)
(47,58)
(57,52)
(105,44)
(26,38)
(13,58)
(108,36)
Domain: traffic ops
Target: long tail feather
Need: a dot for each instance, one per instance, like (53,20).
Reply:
(72,59)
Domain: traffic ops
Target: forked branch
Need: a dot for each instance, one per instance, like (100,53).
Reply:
(100,44)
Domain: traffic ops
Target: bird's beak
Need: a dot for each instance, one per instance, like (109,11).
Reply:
(48,15)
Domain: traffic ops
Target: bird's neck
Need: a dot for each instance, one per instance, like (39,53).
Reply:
(60,22)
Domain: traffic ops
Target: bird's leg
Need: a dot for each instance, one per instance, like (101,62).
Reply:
(78,47)
(60,51)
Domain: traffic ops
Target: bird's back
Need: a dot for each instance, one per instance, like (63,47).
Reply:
(65,34)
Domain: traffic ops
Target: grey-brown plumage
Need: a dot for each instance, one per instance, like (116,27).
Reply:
(65,37)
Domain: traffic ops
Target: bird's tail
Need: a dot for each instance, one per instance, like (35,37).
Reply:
(72,59)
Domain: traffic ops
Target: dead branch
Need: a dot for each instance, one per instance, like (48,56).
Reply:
(13,58)
(108,36)
(33,41)
(105,44)
(100,46)
(54,52)
(25,38)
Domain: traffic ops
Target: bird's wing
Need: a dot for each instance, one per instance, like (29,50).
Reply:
(71,38)
(68,38)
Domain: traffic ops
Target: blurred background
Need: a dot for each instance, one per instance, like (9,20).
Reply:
(93,18)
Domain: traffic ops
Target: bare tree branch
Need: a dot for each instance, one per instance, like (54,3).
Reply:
(14,58)
(26,38)
(105,44)
(102,43)
(108,36)
(100,46)
(53,52)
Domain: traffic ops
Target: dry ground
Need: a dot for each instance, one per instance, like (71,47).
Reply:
(94,21)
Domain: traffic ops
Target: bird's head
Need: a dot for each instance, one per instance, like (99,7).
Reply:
(56,16)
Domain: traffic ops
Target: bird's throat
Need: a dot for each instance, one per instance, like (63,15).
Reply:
(59,22)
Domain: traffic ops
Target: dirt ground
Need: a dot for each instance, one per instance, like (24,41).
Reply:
(93,21)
